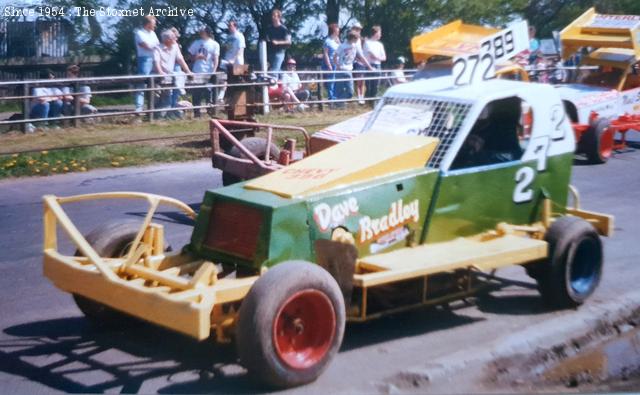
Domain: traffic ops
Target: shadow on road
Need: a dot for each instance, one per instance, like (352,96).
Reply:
(512,304)
(70,355)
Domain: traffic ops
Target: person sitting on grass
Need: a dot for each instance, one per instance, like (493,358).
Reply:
(293,92)
(47,104)
(398,76)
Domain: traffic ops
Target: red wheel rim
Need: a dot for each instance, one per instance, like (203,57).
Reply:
(304,328)
(606,144)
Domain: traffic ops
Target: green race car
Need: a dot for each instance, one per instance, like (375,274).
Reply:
(442,186)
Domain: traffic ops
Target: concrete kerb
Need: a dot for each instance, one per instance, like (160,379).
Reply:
(553,334)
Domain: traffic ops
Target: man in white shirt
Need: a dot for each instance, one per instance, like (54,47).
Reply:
(205,54)
(293,91)
(375,54)
(146,43)
(235,51)
(235,46)
(166,57)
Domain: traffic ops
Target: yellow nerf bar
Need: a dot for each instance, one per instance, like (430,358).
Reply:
(601,31)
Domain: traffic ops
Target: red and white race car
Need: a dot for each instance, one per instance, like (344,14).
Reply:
(604,97)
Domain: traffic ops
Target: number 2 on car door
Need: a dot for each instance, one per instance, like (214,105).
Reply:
(524,178)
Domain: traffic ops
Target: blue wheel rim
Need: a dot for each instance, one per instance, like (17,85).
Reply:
(585,268)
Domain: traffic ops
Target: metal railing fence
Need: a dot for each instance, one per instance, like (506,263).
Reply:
(157,83)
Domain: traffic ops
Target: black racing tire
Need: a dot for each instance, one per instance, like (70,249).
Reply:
(573,269)
(257,146)
(597,143)
(110,240)
(290,325)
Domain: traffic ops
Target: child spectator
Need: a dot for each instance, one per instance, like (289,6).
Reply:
(398,76)
(345,56)
(331,44)
(374,52)
(205,54)
(278,40)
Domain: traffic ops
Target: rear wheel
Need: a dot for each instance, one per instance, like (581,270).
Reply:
(255,145)
(290,325)
(573,270)
(598,141)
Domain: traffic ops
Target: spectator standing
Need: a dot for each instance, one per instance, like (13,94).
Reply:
(166,57)
(358,64)
(146,43)
(234,54)
(374,52)
(47,103)
(344,58)
(534,45)
(278,40)
(73,71)
(180,78)
(205,54)
(292,89)
(331,44)
(235,46)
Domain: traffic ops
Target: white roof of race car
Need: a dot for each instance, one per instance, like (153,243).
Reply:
(443,87)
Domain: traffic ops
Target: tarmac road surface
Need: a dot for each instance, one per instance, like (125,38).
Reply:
(47,346)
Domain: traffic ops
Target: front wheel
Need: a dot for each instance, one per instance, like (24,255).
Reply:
(290,325)
(110,240)
(573,269)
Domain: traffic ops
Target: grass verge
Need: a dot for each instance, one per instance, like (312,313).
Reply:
(83,159)
(48,153)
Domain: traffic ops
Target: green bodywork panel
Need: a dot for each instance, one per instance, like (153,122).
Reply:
(470,202)
(383,214)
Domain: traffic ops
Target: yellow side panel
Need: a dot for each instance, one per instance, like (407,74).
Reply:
(365,157)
